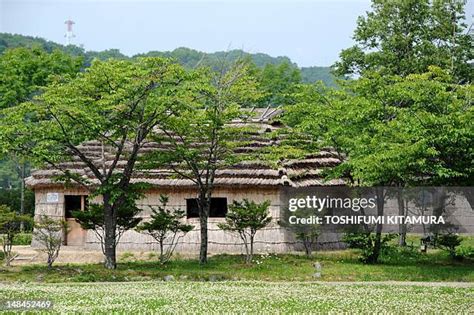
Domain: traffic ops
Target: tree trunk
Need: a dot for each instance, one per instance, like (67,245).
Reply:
(402,227)
(204,203)
(22,196)
(162,258)
(378,230)
(307,246)
(251,248)
(50,262)
(110,224)
(7,249)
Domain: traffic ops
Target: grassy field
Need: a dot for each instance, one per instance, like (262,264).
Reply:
(244,297)
(271,284)
(336,266)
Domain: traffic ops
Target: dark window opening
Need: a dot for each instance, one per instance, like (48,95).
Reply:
(74,203)
(218,208)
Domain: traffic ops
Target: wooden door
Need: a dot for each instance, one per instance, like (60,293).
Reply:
(76,235)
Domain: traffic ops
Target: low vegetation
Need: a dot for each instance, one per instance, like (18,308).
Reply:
(10,223)
(246,218)
(243,297)
(48,232)
(166,228)
(400,264)
(23,239)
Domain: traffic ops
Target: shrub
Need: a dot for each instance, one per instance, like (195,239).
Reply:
(309,238)
(48,233)
(246,218)
(128,256)
(166,228)
(10,223)
(22,239)
(400,254)
(306,233)
(366,242)
(465,252)
(449,242)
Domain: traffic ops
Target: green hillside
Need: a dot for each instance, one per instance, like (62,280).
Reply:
(313,74)
(186,56)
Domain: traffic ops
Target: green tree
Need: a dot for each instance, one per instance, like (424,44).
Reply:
(408,37)
(246,218)
(307,234)
(93,217)
(23,73)
(166,228)
(278,83)
(49,234)
(9,227)
(392,130)
(367,243)
(200,136)
(401,37)
(117,104)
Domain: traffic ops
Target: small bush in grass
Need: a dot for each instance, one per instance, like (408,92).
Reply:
(48,232)
(400,254)
(465,252)
(128,256)
(22,239)
(366,242)
(449,242)
(246,218)
(10,223)
(307,234)
(166,228)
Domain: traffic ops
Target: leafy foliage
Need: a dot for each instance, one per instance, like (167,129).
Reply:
(23,239)
(116,103)
(449,242)
(465,252)
(367,243)
(391,129)
(23,71)
(48,233)
(277,82)
(166,228)
(124,201)
(246,218)
(191,58)
(10,227)
(199,136)
(11,198)
(406,37)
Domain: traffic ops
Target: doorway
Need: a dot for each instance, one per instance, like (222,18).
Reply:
(76,235)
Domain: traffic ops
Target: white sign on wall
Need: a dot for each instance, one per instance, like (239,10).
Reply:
(52,197)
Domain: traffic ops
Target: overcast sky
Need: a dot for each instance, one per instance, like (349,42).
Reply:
(309,32)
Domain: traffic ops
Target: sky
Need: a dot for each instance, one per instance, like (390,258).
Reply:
(310,32)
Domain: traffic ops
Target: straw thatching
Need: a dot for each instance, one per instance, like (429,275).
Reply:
(295,173)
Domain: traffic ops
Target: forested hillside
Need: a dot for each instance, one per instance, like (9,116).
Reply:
(186,56)
(314,74)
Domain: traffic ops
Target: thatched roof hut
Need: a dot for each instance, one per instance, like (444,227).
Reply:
(250,178)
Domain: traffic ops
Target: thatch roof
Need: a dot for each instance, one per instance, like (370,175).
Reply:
(295,173)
